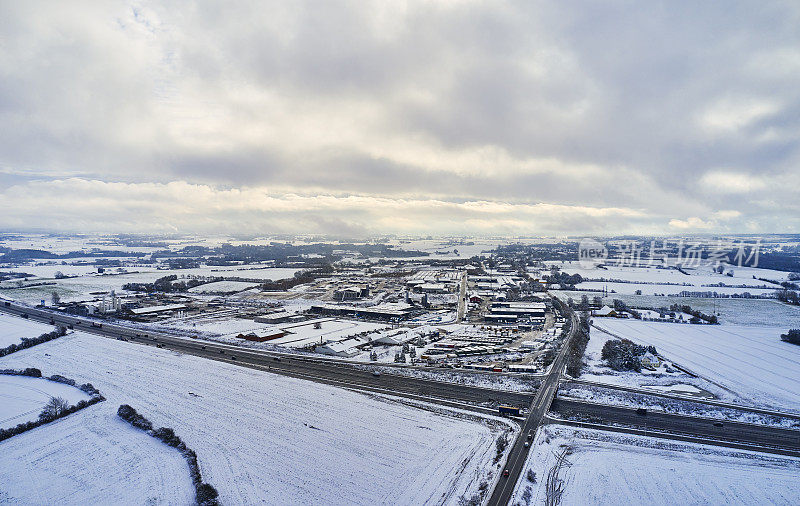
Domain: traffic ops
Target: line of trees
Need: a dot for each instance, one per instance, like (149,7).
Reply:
(205,493)
(788,296)
(28,342)
(299,278)
(55,408)
(695,313)
(577,347)
(166,284)
(793,336)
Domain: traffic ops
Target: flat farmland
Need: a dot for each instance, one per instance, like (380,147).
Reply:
(751,361)
(264,438)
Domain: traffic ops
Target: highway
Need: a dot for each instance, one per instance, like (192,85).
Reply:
(322,370)
(712,431)
(684,398)
(501,495)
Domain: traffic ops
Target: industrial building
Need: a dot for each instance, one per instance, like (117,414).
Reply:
(351,292)
(279,317)
(397,311)
(520,309)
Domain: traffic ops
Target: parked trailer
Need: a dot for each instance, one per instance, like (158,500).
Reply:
(508,411)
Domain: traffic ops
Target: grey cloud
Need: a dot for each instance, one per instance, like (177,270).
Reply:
(123,92)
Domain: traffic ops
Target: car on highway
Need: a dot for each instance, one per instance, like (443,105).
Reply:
(530,435)
(527,444)
(717,424)
(376,373)
(505,473)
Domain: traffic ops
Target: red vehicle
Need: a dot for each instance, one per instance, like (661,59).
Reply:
(497,369)
(505,473)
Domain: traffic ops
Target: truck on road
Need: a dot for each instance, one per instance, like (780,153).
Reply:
(508,410)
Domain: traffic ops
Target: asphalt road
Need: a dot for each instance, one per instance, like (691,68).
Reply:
(501,495)
(712,430)
(684,398)
(462,298)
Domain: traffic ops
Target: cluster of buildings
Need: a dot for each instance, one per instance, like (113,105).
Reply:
(435,281)
(494,287)
(471,342)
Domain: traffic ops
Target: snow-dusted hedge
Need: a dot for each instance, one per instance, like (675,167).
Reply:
(28,342)
(205,493)
(47,417)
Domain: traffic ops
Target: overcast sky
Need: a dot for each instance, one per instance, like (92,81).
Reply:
(451,117)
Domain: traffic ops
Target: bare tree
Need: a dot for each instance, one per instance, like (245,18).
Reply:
(54,408)
(55,297)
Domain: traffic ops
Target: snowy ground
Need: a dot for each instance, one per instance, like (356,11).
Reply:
(732,311)
(617,469)
(80,288)
(664,379)
(751,361)
(671,290)
(702,275)
(223,287)
(223,323)
(22,398)
(14,328)
(263,438)
(91,457)
(652,280)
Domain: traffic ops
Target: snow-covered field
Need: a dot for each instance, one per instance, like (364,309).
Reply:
(14,328)
(330,330)
(652,280)
(263,438)
(22,398)
(751,361)
(91,457)
(80,288)
(731,311)
(223,287)
(49,270)
(696,276)
(214,327)
(665,378)
(617,469)
(670,290)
